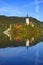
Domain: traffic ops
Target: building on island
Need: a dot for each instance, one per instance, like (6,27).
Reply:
(27,20)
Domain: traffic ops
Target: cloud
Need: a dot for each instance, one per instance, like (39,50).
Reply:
(13,10)
(10,11)
(36,6)
(32,3)
(7,9)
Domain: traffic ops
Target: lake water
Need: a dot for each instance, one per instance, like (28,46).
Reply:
(21,55)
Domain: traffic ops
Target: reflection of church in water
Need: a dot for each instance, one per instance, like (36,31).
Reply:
(29,41)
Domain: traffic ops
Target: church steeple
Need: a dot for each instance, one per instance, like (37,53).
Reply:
(27,15)
(27,20)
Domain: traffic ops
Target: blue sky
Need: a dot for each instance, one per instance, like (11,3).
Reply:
(34,8)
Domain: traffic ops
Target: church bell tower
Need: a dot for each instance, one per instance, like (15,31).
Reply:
(27,20)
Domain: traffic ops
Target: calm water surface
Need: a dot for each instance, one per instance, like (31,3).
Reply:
(22,55)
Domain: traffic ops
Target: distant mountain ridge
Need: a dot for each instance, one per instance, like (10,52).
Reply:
(16,18)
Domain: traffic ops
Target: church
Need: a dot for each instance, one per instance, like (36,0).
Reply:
(27,20)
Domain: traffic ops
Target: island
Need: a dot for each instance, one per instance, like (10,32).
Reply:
(15,31)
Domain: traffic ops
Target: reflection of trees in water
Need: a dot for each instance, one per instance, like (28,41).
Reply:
(5,42)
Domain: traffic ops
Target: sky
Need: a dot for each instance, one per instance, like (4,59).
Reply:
(34,8)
